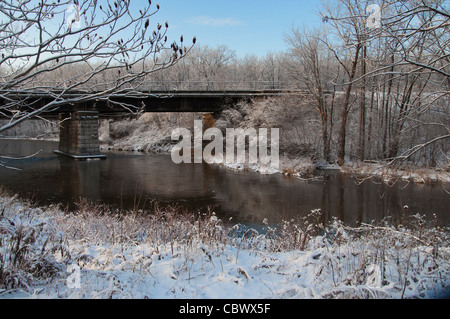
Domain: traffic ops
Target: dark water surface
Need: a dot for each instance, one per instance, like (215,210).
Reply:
(133,180)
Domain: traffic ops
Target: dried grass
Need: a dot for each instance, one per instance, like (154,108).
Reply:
(37,245)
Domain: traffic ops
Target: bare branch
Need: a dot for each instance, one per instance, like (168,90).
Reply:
(96,49)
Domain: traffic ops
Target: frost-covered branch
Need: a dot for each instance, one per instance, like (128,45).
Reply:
(97,49)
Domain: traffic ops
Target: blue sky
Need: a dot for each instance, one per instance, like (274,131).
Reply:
(246,26)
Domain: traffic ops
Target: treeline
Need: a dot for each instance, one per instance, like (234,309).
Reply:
(378,77)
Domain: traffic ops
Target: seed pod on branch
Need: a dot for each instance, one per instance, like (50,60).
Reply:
(138,47)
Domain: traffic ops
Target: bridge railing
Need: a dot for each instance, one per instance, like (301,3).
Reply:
(213,85)
(172,86)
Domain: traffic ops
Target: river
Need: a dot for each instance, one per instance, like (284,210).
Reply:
(136,180)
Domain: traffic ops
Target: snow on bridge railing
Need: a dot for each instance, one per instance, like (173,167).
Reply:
(169,86)
(213,85)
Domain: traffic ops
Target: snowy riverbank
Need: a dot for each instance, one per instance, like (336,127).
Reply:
(151,133)
(170,255)
(305,168)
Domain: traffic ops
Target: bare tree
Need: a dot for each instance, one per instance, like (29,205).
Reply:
(348,21)
(212,66)
(100,49)
(417,65)
(273,71)
(406,53)
(308,65)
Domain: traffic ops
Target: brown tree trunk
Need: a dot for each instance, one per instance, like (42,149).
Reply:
(387,107)
(362,109)
(346,109)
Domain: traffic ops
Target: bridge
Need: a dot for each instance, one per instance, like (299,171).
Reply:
(150,101)
(79,116)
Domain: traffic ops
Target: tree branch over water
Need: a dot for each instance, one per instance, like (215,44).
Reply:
(98,49)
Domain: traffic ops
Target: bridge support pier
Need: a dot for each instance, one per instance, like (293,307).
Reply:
(78,136)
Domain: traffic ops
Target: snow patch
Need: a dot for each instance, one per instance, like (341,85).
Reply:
(365,262)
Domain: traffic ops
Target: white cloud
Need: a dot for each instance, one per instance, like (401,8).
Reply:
(215,22)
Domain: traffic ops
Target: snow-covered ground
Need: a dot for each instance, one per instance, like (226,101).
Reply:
(391,174)
(47,253)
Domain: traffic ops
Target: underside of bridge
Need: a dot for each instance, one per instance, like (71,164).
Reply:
(78,134)
(79,117)
(79,124)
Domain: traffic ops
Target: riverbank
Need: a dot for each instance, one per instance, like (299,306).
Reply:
(303,168)
(94,252)
(151,132)
(306,168)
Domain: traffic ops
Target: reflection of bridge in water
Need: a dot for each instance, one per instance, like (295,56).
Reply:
(81,109)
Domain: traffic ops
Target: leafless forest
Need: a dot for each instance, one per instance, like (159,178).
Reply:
(375,92)
(376,77)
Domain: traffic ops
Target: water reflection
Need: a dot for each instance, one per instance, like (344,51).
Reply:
(79,180)
(133,180)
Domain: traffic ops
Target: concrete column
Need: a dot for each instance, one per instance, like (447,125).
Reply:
(78,137)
